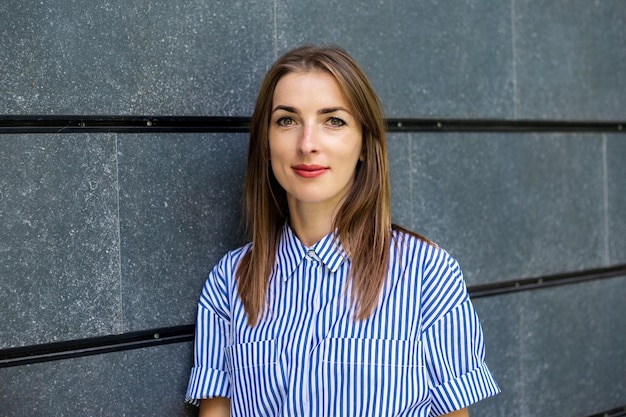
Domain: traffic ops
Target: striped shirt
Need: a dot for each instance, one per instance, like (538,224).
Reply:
(420,352)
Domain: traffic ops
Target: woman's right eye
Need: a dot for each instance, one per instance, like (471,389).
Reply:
(285,121)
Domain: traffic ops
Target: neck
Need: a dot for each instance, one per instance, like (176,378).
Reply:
(311,223)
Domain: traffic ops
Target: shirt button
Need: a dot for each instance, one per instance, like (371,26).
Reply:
(311,255)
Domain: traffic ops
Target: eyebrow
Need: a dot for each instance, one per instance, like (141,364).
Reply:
(325,110)
(285,108)
(333,110)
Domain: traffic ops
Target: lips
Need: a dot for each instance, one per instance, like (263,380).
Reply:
(309,171)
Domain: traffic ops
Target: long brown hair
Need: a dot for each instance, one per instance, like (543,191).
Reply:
(363,221)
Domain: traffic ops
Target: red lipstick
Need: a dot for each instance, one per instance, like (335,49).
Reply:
(309,171)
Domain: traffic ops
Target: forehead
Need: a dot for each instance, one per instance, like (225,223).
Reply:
(310,87)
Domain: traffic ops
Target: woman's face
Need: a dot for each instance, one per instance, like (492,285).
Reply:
(315,142)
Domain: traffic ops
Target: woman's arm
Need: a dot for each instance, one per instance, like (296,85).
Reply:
(458,413)
(215,407)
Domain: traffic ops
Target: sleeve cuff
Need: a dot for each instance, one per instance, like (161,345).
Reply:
(206,383)
(463,391)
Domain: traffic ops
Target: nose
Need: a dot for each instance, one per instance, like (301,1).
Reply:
(308,141)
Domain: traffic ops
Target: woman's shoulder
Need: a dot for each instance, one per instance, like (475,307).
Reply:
(406,237)
(221,277)
(235,255)
(229,261)
(439,272)
(418,248)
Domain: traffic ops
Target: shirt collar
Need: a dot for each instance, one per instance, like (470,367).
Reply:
(291,252)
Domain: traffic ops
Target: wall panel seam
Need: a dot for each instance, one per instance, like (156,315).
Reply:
(121,325)
(275,5)
(514,61)
(607,231)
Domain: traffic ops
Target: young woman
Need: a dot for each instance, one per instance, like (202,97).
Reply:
(331,310)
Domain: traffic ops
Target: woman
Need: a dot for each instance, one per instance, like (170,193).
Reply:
(331,310)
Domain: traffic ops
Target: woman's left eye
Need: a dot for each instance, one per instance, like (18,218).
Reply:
(335,122)
(285,121)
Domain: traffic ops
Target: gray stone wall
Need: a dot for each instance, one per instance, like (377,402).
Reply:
(105,234)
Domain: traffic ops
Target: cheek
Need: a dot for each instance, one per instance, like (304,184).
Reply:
(279,155)
(274,158)
(274,149)
(276,164)
(271,152)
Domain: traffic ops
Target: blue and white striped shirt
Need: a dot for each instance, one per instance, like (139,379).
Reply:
(420,352)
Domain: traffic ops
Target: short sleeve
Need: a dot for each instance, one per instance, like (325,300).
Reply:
(453,342)
(208,377)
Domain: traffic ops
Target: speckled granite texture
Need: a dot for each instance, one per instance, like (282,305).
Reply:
(104,234)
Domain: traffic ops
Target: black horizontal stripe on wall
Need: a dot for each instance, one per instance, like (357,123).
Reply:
(148,338)
(94,346)
(122,124)
(200,124)
(507,287)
